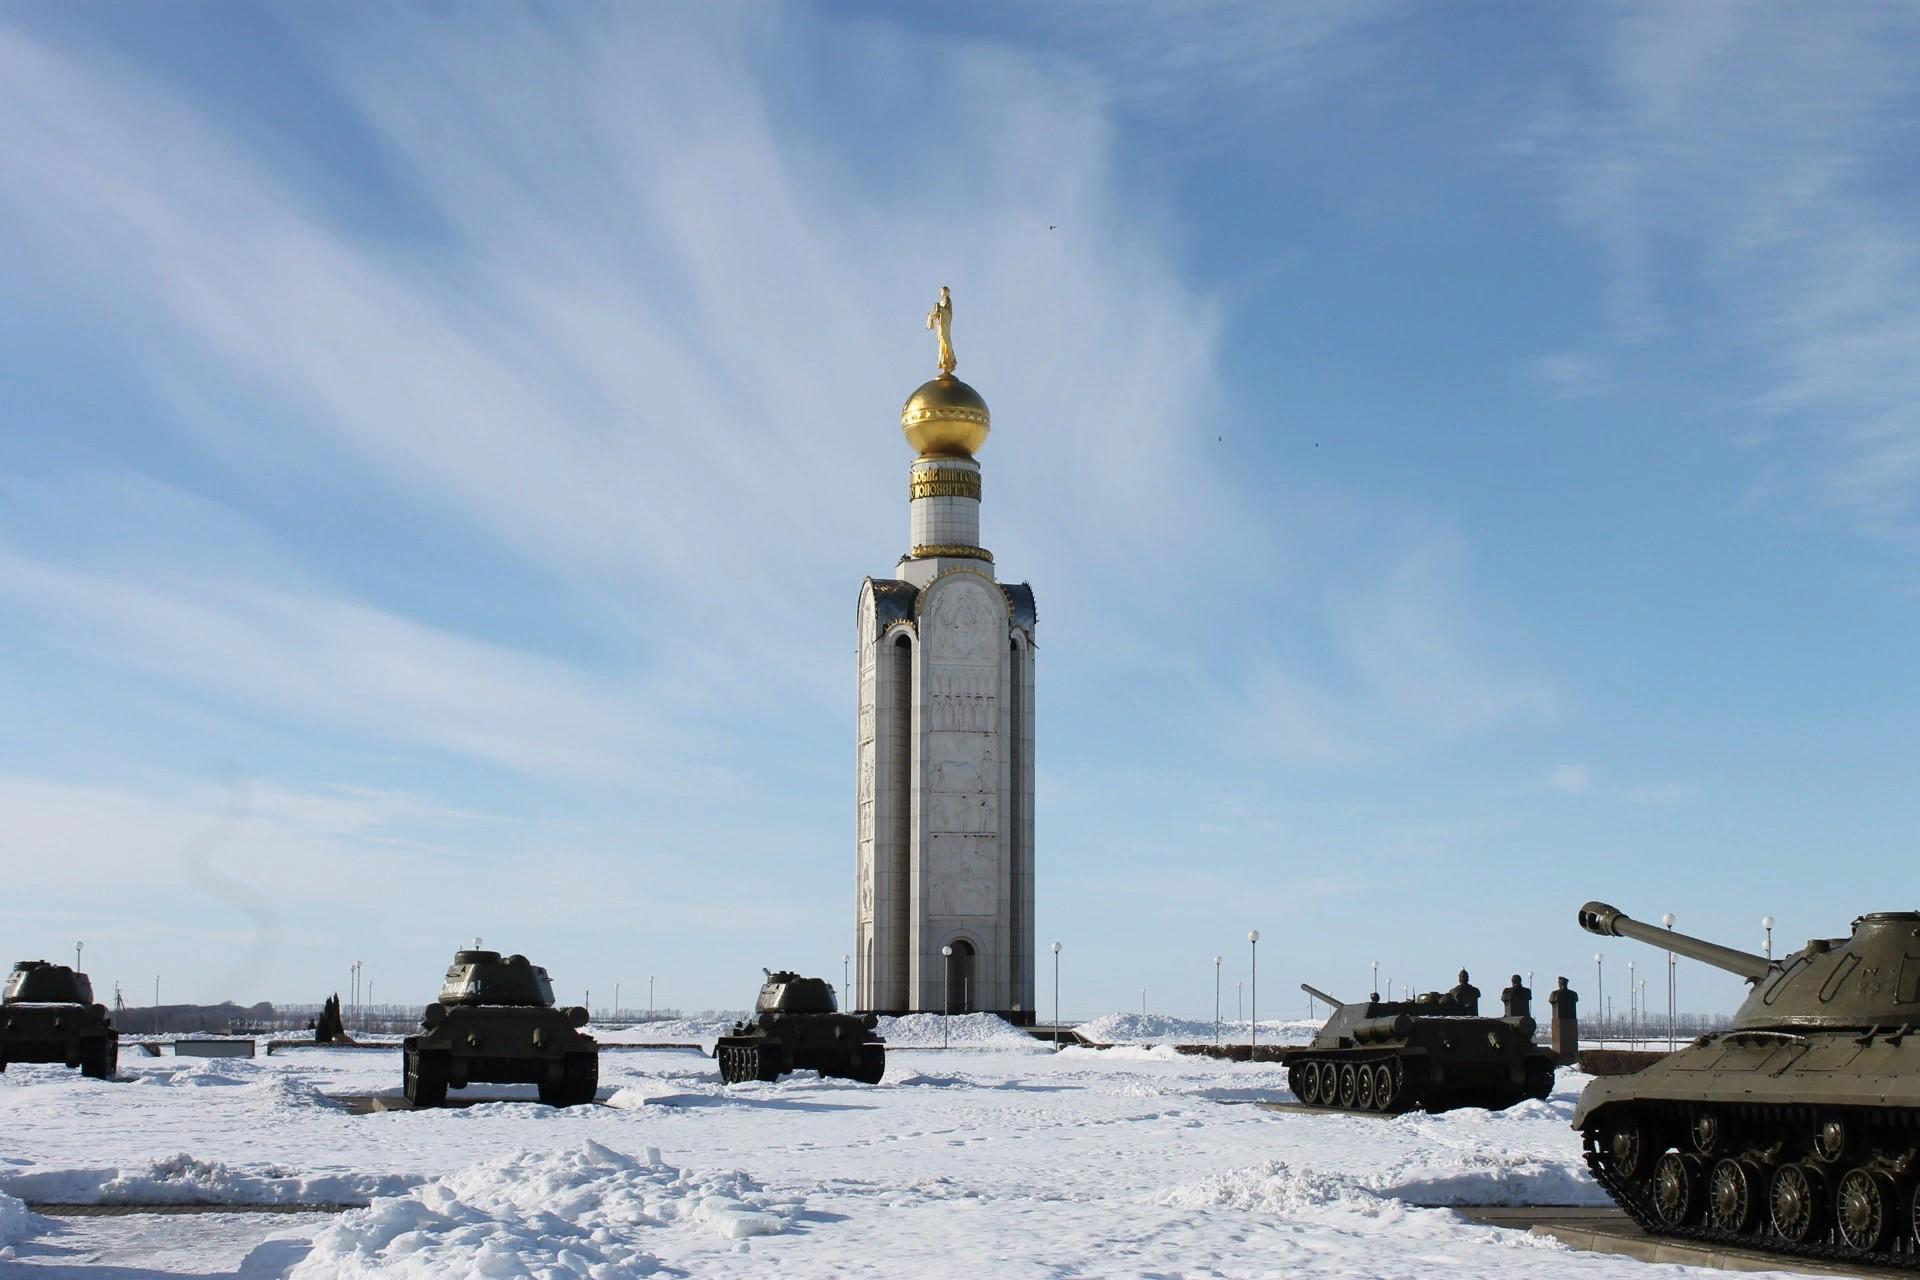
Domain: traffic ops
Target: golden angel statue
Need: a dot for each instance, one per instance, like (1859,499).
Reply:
(940,320)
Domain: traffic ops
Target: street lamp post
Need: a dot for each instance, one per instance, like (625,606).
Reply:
(1600,993)
(1766,923)
(616,1002)
(1253,992)
(77,947)
(1375,988)
(1633,1041)
(1056,997)
(1673,1037)
(846,982)
(946,995)
(1216,1002)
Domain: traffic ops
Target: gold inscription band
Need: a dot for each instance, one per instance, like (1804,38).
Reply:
(944,482)
(927,551)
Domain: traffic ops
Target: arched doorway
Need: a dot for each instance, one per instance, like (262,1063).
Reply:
(960,985)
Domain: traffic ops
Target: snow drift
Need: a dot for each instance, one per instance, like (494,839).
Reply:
(588,1211)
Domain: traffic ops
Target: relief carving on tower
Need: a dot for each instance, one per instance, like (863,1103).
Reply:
(966,623)
(964,879)
(965,698)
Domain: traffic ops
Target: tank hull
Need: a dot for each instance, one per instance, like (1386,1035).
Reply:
(1488,1066)
(838,1045)
(505,1044)
(1800,1144)
(74,1035)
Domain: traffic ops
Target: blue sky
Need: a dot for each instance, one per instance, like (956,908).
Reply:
(1467,459)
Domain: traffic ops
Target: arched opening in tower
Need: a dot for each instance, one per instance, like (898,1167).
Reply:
(960,986)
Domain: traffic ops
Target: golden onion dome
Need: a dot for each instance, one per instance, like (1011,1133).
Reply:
(945,418)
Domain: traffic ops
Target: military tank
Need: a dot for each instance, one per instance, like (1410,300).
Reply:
(797,1026)
(47,1014)
(1797,1130)
(1432,1053)
(495,1023)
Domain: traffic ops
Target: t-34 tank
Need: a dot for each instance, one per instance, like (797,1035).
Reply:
(47,1014)
(797,1026)
(1798,1130)
(1433,1053)
(495,1024)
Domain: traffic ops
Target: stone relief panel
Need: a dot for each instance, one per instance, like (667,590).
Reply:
(866,886)
(973,814)
(964,698)
(962,879)
(968,622)
(961,762)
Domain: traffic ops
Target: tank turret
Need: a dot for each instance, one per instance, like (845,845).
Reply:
(1794,1131)
(38,982)
(47,1014)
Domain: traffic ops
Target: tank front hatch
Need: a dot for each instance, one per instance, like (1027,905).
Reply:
(37,982)
(787,992)
(485,978)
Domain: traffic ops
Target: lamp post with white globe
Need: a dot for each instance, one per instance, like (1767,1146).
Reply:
(1056,997)
(1673,991)
(1253,992)
(946,995)
(1766,923)
(1216,1002)
(1600,994)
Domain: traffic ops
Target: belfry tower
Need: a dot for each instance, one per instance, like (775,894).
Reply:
(943,901)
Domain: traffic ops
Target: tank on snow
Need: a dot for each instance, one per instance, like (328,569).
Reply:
(495,1023)
(1433,1053)
(797,1026)
(47,1014)
(1797,1130)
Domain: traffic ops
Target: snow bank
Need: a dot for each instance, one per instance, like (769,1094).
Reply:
(1158,1028)
(16,1223)
(962,1030)
(560,1215)
(181,1179)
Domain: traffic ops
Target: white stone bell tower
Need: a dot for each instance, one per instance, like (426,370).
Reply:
(944,775)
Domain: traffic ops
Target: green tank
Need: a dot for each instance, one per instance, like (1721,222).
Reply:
(1432,1053)
(1797,1130)
(495,1023)
(47,1014)
(797,1026)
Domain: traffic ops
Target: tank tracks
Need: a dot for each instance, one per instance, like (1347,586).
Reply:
(768,1061)
(1841,1184)
(1378,1082)
(427,1074)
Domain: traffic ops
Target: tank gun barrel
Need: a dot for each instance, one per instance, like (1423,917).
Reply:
(1611,922)
(1318,994)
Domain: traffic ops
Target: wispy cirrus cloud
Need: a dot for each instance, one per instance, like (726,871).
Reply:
(1747,152)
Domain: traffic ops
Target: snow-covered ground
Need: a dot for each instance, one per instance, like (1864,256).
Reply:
(988,1160)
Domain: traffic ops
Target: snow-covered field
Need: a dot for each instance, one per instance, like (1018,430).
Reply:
(990,1159)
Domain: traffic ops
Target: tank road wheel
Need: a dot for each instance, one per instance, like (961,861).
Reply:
(1306,1083)
(1733,1200)
(1349,1085)
(1363,1087)
(1705,1132)
(769,1063)
(1860,1209)
(1676,1189)
(1329,1084)
(1830,1141)
(425,1082)
(1625,1145)
(1385,1092)
(1797,1200)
